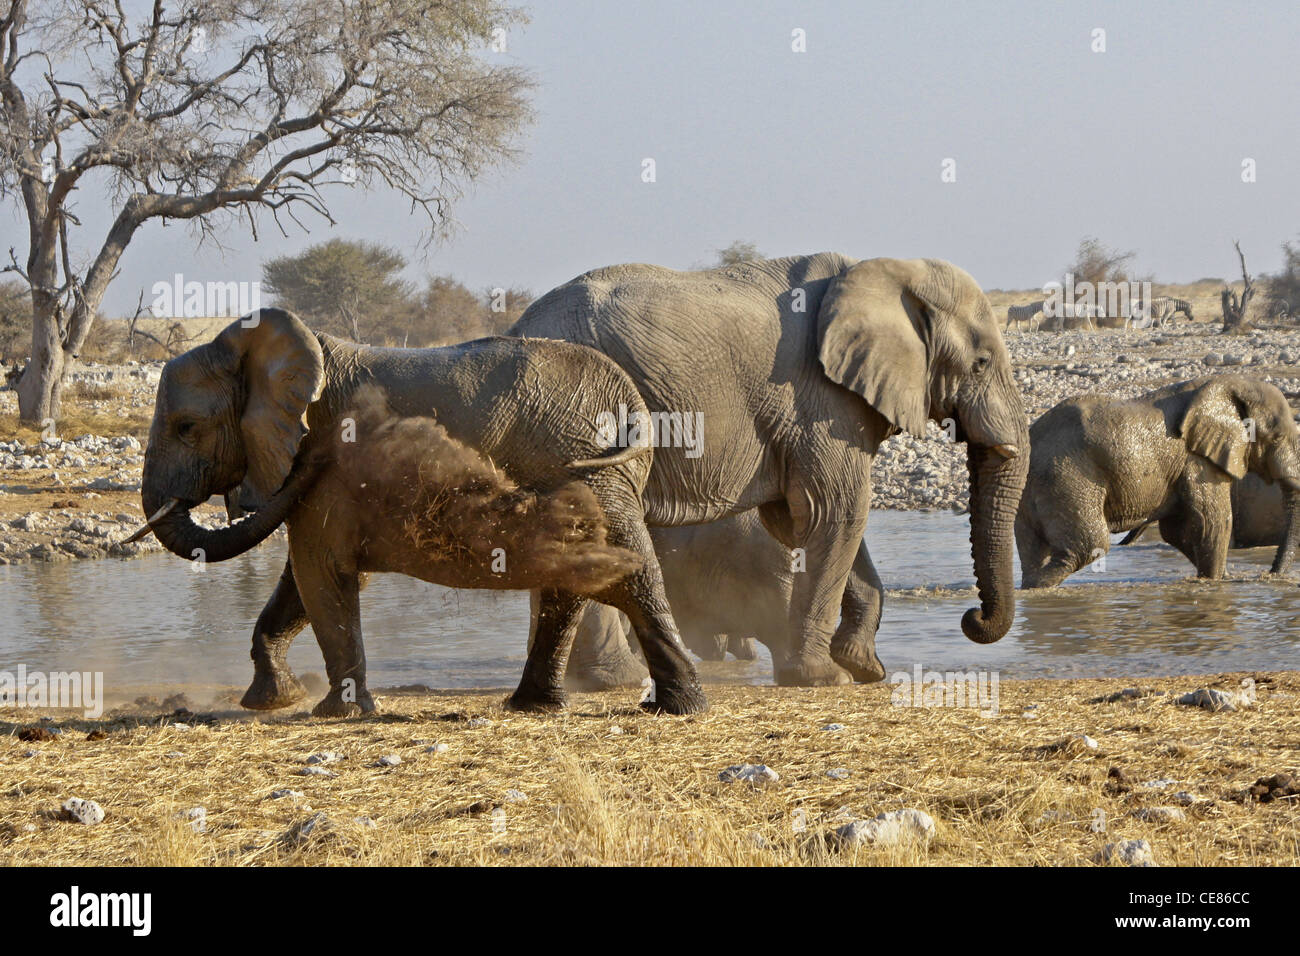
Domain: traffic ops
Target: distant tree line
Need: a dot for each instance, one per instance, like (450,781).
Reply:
(355,290)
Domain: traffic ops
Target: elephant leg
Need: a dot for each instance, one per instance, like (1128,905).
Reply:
(1202,535)
(1070,540)
(830,549)
(707,647)
(601,658)
(854,645)
(641,597)
(332,598)
(555,626)
(742,648)
(274,683)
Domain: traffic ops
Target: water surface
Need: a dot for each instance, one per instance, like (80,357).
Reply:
(155,621)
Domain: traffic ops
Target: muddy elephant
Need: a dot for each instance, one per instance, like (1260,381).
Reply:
(1258,516)
(789,374)
(729,583)
(510,485)
(1101,466)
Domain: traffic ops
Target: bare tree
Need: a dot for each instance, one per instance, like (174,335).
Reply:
(1234,309)
(239,107)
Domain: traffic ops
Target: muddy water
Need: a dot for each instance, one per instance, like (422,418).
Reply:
(154,621)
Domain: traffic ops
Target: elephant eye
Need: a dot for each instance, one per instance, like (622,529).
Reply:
(981,364)
(185,430)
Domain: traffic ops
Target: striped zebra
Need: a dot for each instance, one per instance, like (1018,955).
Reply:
(1163,308)
(1024,313)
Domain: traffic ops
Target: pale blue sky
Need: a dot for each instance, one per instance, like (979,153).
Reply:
(840,148)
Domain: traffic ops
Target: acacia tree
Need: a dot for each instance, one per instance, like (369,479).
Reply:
(210,110)
(347,288)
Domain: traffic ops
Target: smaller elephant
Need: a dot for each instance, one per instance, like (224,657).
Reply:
(729,582)
(1259,517)
(476,465)
(1100,466)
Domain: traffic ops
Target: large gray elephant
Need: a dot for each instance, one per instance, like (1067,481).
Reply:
(1101,466)
(796,370)
(729,583)
(514,487)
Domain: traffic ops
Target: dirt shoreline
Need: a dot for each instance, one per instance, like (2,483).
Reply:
(605,783)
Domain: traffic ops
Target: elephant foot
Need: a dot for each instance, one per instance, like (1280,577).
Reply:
(677,699)
(812,672)
(859,658)
(588,677)
(334,704)
(273,688)
(742,648)
(537,702)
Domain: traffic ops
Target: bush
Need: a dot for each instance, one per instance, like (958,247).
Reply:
(1283,288)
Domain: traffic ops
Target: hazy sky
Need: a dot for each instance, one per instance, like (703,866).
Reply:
(840,148)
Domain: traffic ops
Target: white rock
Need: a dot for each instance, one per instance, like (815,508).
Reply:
(436,749)
(83,811)
(1160,814)
(516,796)
(1183,797)
(286,792)
(615,731)
(316,772)
(1159,784)
(838,773)
(755,774)
(833,728)
(388,760)
(325,756)
(892,828)
(365,823)
(477,722)
(197,817)
(1128,852)
(1212,699)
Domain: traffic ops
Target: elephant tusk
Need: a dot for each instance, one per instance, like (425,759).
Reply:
(1007,450)
(157,516)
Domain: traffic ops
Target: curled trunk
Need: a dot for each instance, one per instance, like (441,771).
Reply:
(180,535)
(995,486)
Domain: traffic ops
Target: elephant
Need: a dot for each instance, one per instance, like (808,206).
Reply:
(1258,516)
(729,582)
(797,369)
(1101,465)
(514,470)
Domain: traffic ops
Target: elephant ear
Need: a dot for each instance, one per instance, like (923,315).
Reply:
(283,371)
(1213,427)
(873,331)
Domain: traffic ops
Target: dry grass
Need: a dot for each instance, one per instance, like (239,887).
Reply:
(77,420)
(650,795)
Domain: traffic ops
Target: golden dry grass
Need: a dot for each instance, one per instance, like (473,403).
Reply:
(650,795)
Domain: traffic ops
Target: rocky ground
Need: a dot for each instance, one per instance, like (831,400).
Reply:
(76,494)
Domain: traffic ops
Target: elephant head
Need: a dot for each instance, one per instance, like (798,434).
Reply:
(1244,424)
(232,413)
(917,339)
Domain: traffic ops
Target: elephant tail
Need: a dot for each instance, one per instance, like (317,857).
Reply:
(616,457)
(1135,533)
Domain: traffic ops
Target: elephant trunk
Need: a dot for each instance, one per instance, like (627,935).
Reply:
(996,482)
(180,535)
(1291,537)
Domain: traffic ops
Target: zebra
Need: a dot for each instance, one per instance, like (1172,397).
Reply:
(1024,313)
(1161,310)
